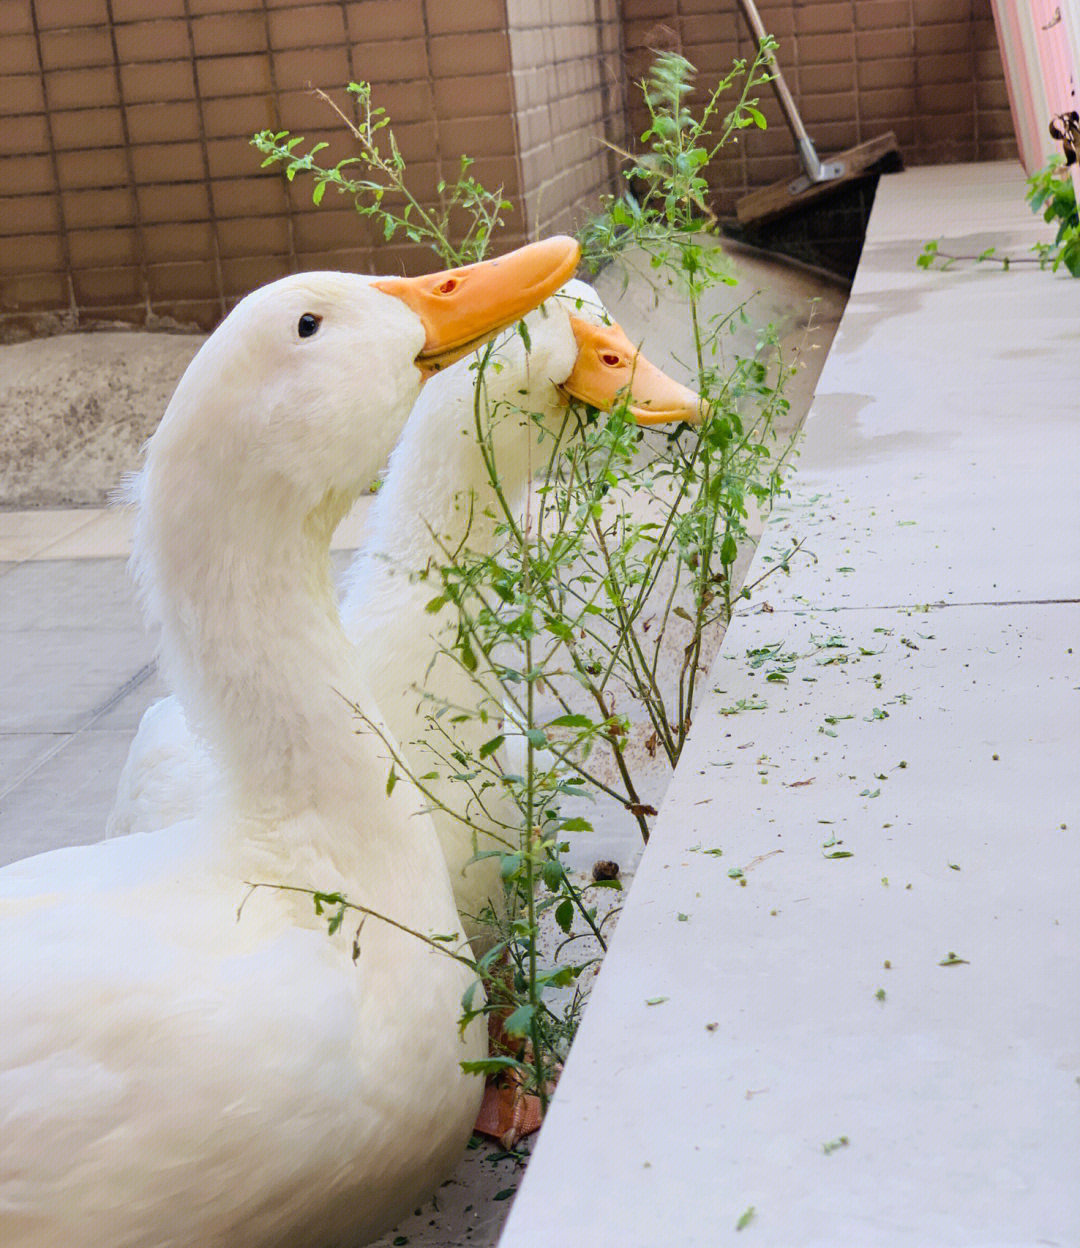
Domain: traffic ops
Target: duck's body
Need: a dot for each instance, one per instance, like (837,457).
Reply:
(173,1073)
(218,1081)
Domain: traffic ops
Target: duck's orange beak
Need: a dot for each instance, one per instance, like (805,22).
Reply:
(462,308)
(609,365)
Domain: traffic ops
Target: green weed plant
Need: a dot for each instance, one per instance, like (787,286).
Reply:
(562,624)
(1050,192)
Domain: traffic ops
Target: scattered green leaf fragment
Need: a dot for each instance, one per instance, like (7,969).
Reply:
(744,704)
(879,995)
(735,873)
(682,918)
(841,1141)
(954,866)
(902,764)
(845,569)
(952,959)
(870,793)
(746,1219)
(840,853)
(505,1194)
(885,881)
(887,964)
(876,713)
(656,1000)
(399,1240)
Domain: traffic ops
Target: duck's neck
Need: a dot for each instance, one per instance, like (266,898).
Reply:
(439,496)
(253,644)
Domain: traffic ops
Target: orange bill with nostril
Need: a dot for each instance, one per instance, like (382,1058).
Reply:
(610,367)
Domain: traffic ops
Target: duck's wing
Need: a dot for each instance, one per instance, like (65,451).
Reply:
(167,773)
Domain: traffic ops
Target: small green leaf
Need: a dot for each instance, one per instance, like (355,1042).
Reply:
(519,1022)
(656,1000)
(758,117)
(489,747)
(728,550)
(564,914)
(552,873)
(746,1219)
(391,781)
(490,1066)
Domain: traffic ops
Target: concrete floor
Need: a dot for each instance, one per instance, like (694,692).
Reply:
(858,1025)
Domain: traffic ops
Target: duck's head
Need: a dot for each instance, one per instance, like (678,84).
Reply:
(608,368)
(304,387)
(572,349)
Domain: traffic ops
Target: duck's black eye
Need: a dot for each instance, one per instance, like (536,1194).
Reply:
(308,324)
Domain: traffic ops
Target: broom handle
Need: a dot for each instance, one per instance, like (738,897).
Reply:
(807,153)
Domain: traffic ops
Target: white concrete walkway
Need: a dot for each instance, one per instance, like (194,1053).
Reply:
(860,1025)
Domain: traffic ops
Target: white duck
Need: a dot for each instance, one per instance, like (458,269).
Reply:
(437,491)
(173,1074)
(438,497)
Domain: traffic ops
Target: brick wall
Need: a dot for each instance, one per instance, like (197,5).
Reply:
(929,70)
(130,190)
(567,63)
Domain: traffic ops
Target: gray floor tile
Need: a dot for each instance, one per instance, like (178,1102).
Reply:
(67,799)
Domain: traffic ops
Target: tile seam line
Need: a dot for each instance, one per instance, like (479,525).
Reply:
(913,606)
(66,738)
(41,553)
